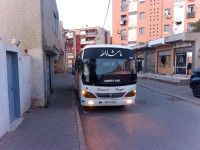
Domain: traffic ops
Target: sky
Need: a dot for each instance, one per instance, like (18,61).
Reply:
(79,13)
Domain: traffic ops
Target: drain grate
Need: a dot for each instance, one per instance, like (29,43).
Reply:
(141,103)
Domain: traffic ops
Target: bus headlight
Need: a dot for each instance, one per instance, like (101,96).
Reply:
(129,101)
(88,94)
(90,102)
(131,93)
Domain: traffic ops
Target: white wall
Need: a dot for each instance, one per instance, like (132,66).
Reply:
(25,83)
(179,15)
(132,32)
(4,110)
(25,86)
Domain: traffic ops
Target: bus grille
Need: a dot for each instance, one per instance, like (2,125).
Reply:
(110,95)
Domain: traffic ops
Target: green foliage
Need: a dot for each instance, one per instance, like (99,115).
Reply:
(196,26)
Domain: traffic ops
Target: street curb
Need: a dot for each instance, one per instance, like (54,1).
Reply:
(171,94)
(80,130)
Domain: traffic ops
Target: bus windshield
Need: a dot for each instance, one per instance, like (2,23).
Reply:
(108,66)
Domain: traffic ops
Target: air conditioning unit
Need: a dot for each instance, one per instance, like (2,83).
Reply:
(121,22)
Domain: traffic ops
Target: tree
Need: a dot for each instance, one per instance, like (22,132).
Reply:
(196,26)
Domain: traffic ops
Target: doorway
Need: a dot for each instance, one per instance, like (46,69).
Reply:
(13,85)
(183,63)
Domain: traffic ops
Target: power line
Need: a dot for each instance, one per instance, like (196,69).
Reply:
(105,19)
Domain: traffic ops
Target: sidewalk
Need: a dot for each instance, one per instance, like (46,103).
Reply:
(52,128)
(181,92)
(173,79)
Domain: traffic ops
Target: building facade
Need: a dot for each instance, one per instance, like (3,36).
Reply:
(60,62)
(15,79)
(36,25)
(176,54)
(77,39)
(70,47)
(141,21)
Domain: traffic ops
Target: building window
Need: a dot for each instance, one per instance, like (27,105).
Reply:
(190,27)
(123,20)
(142,15)
(191,12)
(190,8)
(56,24)
(166,28)
(123,5)
(141,30)
(123,35)
(165,59)
(167,13)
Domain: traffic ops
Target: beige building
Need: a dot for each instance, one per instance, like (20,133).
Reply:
(60,63)
(35,23)
(77,39)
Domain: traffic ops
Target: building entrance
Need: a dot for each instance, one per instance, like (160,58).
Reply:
(183,63)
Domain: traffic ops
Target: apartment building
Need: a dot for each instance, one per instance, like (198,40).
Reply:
(36,25)
(140,21)
(77,39)
(70,47)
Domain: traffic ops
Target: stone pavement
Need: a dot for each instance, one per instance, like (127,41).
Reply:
(52,128)
(181,92)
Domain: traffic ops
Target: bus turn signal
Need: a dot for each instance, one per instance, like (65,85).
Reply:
(88,94)
(131,93)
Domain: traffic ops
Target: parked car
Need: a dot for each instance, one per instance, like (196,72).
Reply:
(195,82)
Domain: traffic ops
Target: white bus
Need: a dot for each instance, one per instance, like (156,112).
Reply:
(105,75)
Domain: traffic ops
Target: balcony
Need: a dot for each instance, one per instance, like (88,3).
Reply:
(168,16)
(190,15)
(70,50)
(91,34)
(69,42)
(88,42)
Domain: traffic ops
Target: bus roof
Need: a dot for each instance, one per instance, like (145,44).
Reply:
(107,46)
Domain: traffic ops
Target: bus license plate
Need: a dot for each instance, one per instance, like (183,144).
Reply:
(110,102)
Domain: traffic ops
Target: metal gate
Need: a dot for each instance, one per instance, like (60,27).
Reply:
(13,85)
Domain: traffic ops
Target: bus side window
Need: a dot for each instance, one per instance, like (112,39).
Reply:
(78,61)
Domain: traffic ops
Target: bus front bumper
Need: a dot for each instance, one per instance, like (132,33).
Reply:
(108,102)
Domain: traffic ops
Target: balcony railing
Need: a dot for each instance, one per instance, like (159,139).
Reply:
(88,42)
(91,34)
(190,15)
(69,42)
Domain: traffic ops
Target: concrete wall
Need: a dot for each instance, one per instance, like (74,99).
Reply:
(51,38)
(62,36)
(25,82)
(22,20)
(101,40)
(59,65)
(4,119)
(24,85)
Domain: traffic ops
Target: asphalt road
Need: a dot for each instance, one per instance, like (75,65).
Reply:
(156,122)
